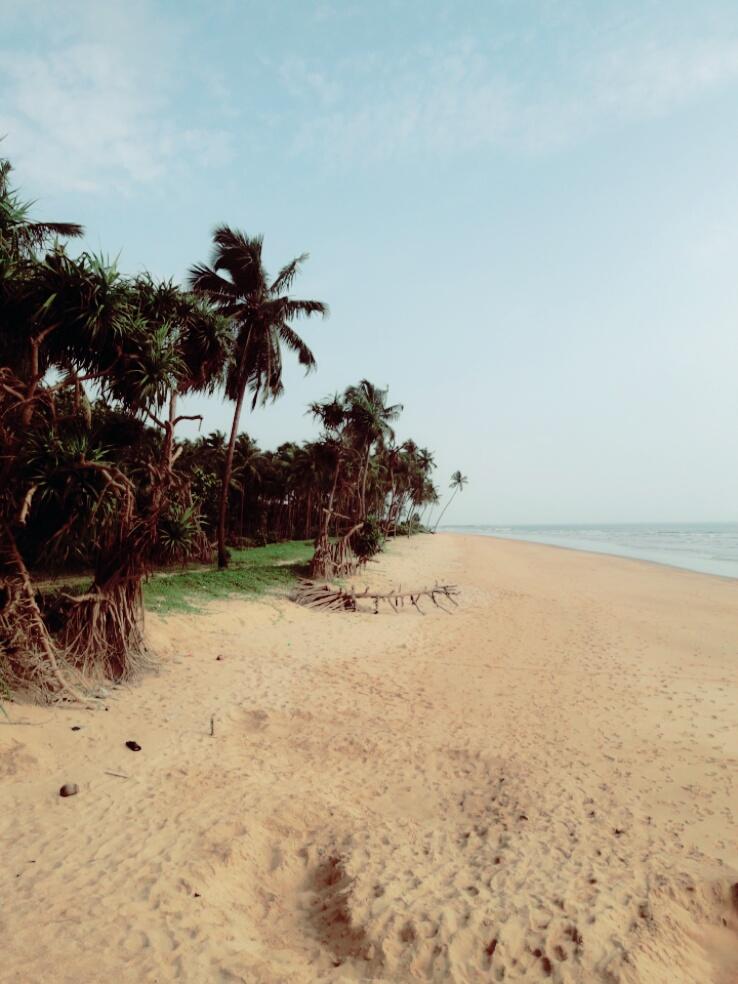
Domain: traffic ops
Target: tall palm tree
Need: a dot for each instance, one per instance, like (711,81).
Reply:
(369,419)
(260,312)
(458,481)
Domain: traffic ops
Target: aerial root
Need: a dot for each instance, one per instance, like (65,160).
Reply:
(30,660)
(101,639)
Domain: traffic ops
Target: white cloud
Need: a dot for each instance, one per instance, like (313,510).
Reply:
(426,101)
(95,113)
(653,79)
(460,97)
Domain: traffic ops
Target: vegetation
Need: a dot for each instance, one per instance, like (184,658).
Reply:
(100,494)
(251,571)
(260,313)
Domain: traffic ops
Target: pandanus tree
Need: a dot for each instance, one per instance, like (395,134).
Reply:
(103,490)
(261,313)
(129,508)
(458,481)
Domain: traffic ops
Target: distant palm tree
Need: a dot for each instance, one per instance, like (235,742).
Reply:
(260,313)
(458,481)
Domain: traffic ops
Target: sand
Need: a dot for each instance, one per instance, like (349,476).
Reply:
(543,786)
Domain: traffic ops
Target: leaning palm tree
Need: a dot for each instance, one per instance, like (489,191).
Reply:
(458,481)
(260,312)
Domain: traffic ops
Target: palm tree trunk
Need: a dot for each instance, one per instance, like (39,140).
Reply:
(362,507)
(388,521)
(227,471)
(444,509)
(308,516)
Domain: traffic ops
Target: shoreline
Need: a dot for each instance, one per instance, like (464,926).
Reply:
(542,784)
(598,553)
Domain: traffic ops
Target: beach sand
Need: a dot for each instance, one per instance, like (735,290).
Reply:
(543,786)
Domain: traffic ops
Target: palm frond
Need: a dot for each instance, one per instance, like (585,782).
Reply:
(296,344)
(206,281)
(294,308)
(286,275)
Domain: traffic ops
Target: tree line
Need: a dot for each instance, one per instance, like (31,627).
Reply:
(93,368)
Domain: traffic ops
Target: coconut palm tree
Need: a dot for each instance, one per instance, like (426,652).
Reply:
(458,481)
(260,312)
(369,422)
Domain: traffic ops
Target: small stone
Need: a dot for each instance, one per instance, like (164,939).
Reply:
(69,789)
(76,727)
(133,745)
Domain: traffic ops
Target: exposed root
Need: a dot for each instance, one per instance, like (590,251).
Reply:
(335,559)
(29,658)
(102,632)
(65,649)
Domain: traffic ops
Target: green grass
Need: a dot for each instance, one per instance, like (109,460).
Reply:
(251,572)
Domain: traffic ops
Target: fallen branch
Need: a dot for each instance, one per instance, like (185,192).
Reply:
(327,597)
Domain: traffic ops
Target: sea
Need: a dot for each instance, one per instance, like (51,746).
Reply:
(710,548)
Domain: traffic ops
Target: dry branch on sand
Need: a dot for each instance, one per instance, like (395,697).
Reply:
(328,597)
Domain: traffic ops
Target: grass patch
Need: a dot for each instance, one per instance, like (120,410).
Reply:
(251,572)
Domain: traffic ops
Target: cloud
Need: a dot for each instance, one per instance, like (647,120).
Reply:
(426,101)
(654,78)
(95,113)
(456,98)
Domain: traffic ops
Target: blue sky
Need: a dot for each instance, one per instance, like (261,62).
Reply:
(524,215)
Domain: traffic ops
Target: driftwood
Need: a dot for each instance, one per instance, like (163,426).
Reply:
(327,597)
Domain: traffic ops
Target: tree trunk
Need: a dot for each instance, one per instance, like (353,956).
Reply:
(362,507)
(388,521)
(444,509)
(227,471)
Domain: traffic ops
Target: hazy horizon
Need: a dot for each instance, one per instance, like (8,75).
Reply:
(523,217)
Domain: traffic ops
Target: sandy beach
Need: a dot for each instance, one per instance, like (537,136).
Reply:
(543,786)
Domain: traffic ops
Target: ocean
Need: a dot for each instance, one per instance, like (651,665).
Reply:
(710,548)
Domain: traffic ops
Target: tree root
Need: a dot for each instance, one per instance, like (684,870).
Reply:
(326,597)
(100,639)
(30,661)
(103,632)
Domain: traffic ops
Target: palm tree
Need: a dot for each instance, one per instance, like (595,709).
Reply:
(260,312)
(18,234)
(458,481)
(368,423)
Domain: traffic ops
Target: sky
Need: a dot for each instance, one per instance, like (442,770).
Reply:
(522,213)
